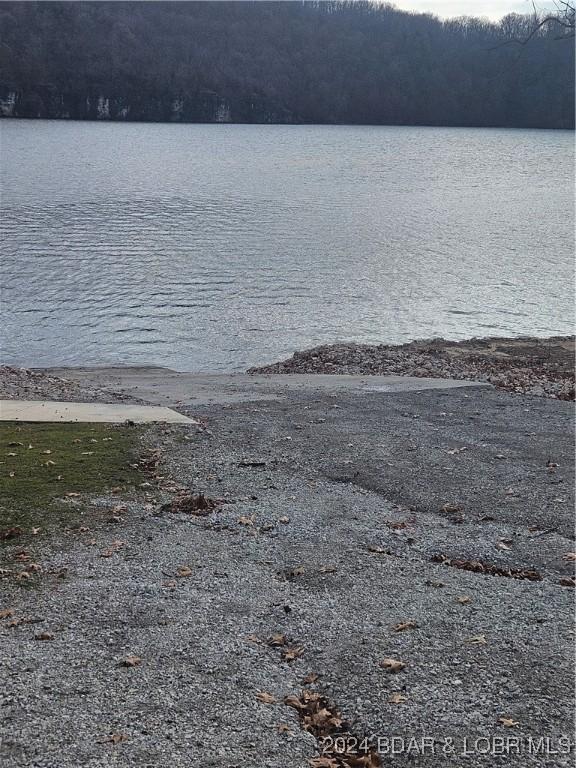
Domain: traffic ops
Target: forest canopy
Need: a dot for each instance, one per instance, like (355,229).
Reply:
(311,62)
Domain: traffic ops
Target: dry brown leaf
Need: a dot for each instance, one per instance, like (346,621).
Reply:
(266,698)
(115,738)
(328,569)
(310,678)
(276,640)
(245,520)
(569,556)
(169,584)
(284,520)
(253,639)
(478,640)
(289,654)
(283,728)
(131,661)
(451,508)
(184,571)
(403,625)
(44,636)
(377,550)
(397,698)
(463,599)
(567,582)
(5,612)
(323,762)
(507,722)
(392,665)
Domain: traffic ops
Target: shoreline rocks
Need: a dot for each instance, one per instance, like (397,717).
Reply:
(543,367)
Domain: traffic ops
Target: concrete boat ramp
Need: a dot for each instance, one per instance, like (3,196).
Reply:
(165,387)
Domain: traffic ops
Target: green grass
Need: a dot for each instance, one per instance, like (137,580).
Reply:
(52,460)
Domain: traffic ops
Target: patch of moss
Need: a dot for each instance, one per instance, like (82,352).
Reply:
(41,463)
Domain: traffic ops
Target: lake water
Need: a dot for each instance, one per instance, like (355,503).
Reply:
(217,247)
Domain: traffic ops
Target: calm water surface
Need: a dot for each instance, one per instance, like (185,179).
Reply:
(216,247)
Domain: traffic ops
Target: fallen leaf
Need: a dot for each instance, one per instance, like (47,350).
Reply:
(44,636)
(397,698)
(392,665)
(47,452)
(569,556)
(289,654)
(283,728)
(568,582)
(464,599)
(323,762)
(5,612)
(35,531)
(507,722)
(114,738)
(478,640)
(401,626)
(169,584)
(378,550)
(310,678)
(131,661)
(184,571)
(276,640)
(284,520)
(266,698)
(245,520)
(328,569)
(502,545)
(451,508)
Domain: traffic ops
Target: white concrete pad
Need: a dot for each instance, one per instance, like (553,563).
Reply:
(113,413)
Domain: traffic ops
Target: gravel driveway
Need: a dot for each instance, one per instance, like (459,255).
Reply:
(411,549)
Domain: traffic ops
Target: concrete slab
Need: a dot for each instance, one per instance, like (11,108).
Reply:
(39,410)
(168,387)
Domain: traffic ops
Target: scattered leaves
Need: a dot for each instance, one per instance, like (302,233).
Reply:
(477,566)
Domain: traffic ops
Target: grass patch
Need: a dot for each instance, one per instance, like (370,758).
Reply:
(41,463)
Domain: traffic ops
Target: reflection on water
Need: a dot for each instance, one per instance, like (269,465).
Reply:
(208,247)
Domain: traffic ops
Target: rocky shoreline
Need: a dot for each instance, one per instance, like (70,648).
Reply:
(542,367)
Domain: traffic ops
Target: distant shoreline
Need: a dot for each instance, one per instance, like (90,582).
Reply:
(294,124)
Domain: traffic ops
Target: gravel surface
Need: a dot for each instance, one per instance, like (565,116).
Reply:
(533,366)
(339,517)
(26,384)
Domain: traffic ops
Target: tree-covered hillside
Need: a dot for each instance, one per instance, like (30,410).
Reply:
(312,62)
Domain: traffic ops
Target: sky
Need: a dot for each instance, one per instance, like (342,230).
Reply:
(493,9)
